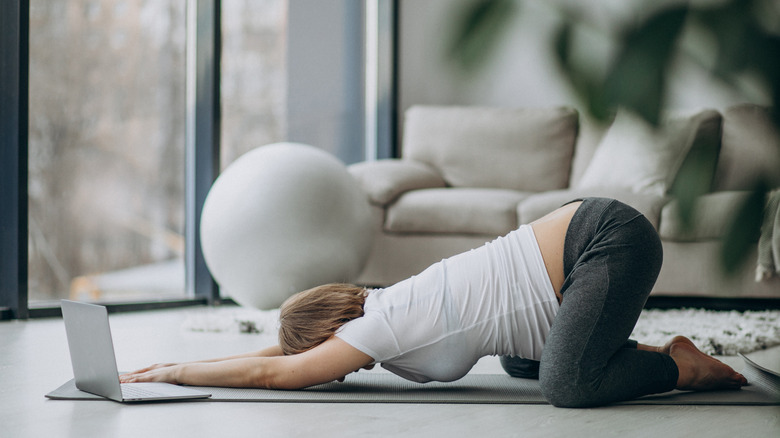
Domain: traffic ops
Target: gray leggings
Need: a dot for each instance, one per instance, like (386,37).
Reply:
(612,256)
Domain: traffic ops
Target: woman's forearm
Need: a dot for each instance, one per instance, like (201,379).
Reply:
(266,352)
(267,368)
(242,372)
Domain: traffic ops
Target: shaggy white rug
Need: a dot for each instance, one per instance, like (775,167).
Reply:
(713,332)
(233,319)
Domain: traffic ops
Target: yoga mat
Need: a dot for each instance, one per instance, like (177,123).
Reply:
(471,389)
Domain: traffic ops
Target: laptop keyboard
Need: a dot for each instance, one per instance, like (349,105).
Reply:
(132,392)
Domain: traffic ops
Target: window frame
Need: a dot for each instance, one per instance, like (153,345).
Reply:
(202,139)
(14,62)
(381,79)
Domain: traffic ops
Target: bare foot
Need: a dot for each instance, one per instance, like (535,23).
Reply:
(700,372)
(666,349)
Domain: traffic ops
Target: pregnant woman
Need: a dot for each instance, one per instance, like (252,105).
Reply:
(565,290)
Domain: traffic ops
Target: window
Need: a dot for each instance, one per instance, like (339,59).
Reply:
(253,80)
(117,116)
(106,150)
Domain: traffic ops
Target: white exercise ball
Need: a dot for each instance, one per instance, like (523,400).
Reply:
(283,218)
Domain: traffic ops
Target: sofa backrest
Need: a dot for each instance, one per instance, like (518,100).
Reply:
(750,148)
(520,149)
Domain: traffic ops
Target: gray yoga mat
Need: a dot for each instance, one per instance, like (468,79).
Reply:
(471,389)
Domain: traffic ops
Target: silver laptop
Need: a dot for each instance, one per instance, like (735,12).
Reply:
(94,362)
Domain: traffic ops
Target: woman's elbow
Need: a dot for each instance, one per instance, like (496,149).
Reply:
(263,379)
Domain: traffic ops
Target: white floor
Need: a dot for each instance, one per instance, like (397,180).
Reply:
(34,360)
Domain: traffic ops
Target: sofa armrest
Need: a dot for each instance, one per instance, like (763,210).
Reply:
(712,216)
(385,180)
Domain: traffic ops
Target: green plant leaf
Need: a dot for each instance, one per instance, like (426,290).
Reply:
(588,89)
(744,45)
(734,29)
(477,31)
(768,64)
(637,78)
(744,230)
(695,176)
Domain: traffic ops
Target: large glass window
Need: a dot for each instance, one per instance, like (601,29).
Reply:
(106,149)
(253,81)
(107,115)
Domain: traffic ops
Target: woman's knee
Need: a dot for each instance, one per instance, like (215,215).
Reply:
(563,390)
(569,383)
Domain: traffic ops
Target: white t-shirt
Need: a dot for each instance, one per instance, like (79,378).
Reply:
(493,300)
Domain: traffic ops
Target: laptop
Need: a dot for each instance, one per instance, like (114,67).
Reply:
(94,362)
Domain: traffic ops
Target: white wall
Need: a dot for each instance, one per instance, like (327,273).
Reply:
(325,76)
(524,72)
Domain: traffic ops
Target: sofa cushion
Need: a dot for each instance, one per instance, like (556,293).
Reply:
(538,205)
(385,180)
(635,156)
(750,148)
(713,215)
(517,149)
(453,210)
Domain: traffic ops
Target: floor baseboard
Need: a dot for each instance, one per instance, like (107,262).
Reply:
(710,303)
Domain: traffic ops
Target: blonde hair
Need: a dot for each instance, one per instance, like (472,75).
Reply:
(309,318)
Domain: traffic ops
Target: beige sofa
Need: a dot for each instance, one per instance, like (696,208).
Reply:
(470,174)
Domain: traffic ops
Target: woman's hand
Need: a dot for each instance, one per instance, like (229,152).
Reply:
(161,372)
